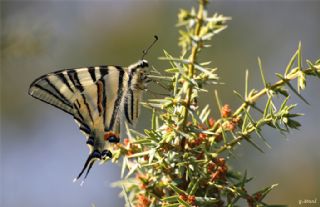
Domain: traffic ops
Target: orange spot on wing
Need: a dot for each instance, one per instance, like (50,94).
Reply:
(100,108)
(107,135)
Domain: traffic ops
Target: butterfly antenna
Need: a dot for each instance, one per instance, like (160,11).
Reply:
(144,52)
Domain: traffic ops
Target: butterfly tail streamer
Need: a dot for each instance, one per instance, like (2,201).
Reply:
(89,162)
(89,168)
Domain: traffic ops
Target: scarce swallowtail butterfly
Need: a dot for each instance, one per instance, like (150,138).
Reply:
(99,98)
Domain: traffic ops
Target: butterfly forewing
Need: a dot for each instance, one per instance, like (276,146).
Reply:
(85,93)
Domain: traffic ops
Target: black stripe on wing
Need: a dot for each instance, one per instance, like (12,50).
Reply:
(104,70)
(126,102)
(73,76)
(52,104)
(62,88)
(58,93)
(77,112)
(117,101)
(126,110)
(81,88)
(62,77)
(92,73)
(44,90)
(47,88)
(132,103)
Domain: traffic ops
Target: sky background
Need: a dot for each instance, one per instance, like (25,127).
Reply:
(42,149)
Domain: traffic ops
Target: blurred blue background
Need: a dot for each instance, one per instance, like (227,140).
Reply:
(41,147)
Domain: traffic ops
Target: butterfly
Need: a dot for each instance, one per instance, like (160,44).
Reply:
(99,98)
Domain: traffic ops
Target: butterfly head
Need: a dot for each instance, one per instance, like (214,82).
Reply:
(138,75)
(143,64)
(139,65)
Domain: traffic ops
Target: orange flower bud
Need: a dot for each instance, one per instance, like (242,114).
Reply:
(183,197)
(211,122)
(220,161)
(191,199)
(143,201)
(258,196)
(129,152)
(202,136)
(211,166)
(225,111)
(126,141)
(146,157)
(142,186)
(231,126)
(215,176)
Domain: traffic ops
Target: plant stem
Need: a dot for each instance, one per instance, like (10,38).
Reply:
(192,60)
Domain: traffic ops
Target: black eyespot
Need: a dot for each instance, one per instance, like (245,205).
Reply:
(114,139)
(96,154)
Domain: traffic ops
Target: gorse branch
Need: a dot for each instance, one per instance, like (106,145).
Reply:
(278,87)
(179,161)
(192,59)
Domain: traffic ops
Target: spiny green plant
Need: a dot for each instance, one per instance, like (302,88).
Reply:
(182,159)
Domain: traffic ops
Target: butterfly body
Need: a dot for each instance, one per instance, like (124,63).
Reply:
(100,99)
